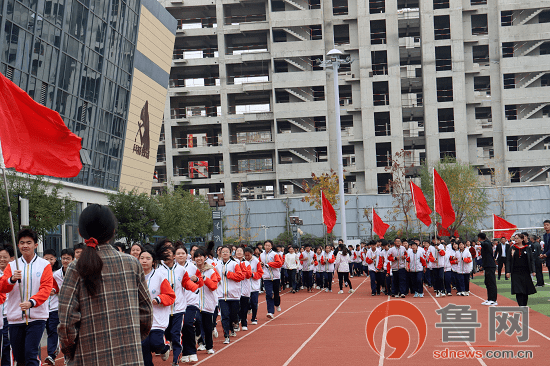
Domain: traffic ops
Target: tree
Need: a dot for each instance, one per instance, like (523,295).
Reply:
(403,206)
(469,198)
(183,215)
(135,213)
(47,207)
(328,183)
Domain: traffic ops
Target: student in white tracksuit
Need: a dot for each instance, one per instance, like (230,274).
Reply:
(208,297)
(342,265)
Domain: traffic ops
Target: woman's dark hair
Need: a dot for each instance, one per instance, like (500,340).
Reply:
(210,248)
(121,247)
(98,222)
(342,248)
(199,253)
(8,248)
(162,247)
(152,253)
(136,244)
(27,233)
(56,265)
(182,246)
(67,252)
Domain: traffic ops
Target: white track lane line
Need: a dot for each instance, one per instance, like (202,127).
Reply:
(249,333)
(320,326)
(383,345)
(530,328)
(467,343)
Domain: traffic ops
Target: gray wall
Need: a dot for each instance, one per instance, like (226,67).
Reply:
(524,206)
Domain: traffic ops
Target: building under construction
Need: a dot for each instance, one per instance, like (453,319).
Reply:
(251,111)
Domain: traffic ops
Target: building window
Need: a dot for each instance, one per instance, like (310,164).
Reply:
(512,143)
(506,18)
(442,27)
(446,119)
(511,112)
(377,6)
(378,31)
(383,182)
(382,124)
(444,89)
(509,81)
(441,4)
(447,148)
(479,24)
(443,60)
(383,154)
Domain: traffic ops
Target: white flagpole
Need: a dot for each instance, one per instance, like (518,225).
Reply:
(435,212)
(3,167)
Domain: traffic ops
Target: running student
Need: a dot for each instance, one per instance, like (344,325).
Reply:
(271,263)
(396,256)
(246,271)
(208,298)
(319,269)
(257,273)
(342,265)
(162,297)
(27,318)
(417,264)
(308,260)
(327,261)
(291,262)
(230,292)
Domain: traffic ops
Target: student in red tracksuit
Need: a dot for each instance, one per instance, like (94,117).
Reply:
(162,296)
(27,319)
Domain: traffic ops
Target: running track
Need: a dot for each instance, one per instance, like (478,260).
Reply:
(327,328)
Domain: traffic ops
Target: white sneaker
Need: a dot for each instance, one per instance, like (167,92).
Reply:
(467,293)
(184,359)
(340,292)
(270,316)
(486,302)
(165,355)
(250,311)
(201,347)
(437,294)
(326,290)
(215,333)
(279,309)
(244,328)
(238,329)
(193,358)
(232,334)
(211,351)
(261,292)
(351,291)
(253,322)
(226,340)
(443,294)
(493,303)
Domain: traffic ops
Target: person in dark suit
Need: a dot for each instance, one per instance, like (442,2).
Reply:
(489,267)
(500,254)
(537,251)
(545,256)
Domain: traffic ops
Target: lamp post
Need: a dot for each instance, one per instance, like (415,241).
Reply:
(335,59)
(217,199)
(295,221)
(264,227)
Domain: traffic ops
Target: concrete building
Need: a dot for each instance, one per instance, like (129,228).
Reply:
(104,67)
(250,110)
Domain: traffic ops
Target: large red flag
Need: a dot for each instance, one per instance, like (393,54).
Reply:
(34,138)
(378,226)
(500,223)
(443,205)
(421,207)
(441,231)
(329,216)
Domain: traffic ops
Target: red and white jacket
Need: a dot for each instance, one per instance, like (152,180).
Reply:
(230,276)
(257,273)
(416,260)
(465,262)
(272,263)
(370,259)
(208,297)
(160,290)
(53,301)
(37,283)
(308,260)
(393,254)
(319,268)
(327,261)
(246,270)
(436,256)
(174,275)
(191,294)
(3,298)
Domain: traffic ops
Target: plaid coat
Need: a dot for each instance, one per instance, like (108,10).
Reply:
(106,330)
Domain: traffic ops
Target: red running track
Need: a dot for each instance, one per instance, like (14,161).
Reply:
(328,328)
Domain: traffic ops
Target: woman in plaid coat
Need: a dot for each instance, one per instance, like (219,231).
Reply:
(105,310)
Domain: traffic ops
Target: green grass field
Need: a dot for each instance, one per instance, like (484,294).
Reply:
(538,302)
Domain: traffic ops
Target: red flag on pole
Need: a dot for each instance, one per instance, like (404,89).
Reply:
(329,216)
(34,138)
(443,205)
(421,207)
(441,231)
(500,223)
(378,226)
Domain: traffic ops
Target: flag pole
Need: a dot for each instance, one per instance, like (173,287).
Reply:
(435,212)
(3,167)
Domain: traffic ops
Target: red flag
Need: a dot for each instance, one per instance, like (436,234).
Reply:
(500,223)
(443,205)
(34,138)
(378,226)
(329,216)
(421,207)
(441,231)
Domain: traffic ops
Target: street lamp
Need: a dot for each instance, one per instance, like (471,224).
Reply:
(295,221)
(265,231)
(155,227)
(335,59)
(217,199)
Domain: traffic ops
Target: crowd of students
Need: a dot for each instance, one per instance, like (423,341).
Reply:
(188,290)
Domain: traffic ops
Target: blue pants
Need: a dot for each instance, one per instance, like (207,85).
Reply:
(437,278)
(25,341)
(466,282)
(284,278)
(254,304)
(188,342)
(448,281)
(204,322)
(380,281)
(153,343)
(327,280)
(416,278)
(308,279)
(272,298)
(460,282)
(243,310)
(428,276)
(6,349)
(319,276)
(173,334)
(51,330)
(230,313)
(292,278)
(374,285)
(399,285)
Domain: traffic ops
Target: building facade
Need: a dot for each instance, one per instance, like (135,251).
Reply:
(251,112)
(101,65)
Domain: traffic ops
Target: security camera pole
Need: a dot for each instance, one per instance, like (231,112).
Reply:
(334,60)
